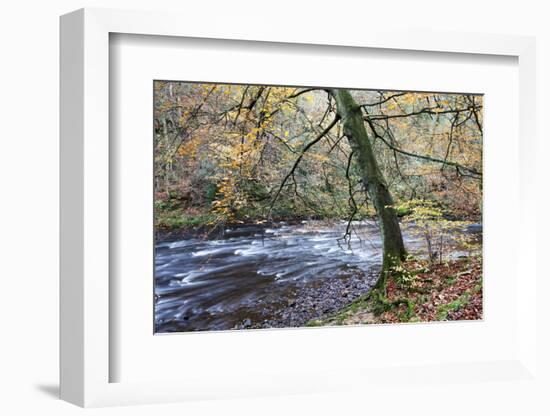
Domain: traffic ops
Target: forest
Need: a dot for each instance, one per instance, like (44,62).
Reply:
(279,206)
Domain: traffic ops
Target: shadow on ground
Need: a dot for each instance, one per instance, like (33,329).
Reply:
(51,390)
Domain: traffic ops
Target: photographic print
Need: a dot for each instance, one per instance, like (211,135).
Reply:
(285,206)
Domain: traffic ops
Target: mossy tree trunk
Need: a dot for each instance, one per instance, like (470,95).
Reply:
(354,130)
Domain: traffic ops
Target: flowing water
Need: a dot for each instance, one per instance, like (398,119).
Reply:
(255,277)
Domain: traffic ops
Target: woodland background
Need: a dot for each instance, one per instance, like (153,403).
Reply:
(222,151)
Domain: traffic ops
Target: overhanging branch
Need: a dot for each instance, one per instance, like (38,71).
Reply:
(427,110)
(428,158)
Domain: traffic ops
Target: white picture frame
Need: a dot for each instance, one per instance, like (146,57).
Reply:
(85,219)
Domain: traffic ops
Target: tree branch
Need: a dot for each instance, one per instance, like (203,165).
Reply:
(297,94)
(383,100)
(428,158)
(427,110)
(299,159)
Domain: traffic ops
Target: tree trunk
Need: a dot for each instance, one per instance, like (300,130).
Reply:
(373,180)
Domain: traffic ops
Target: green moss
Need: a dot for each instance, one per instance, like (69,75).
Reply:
(409,312)
(176,219)
(449,279)
(444,310)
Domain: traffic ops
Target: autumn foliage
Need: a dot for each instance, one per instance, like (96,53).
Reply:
(222,150)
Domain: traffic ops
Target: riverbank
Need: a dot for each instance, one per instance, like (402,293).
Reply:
(319,300)
(420,292)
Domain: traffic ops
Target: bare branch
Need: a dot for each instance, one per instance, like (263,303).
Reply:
(428,158)
(427,110)
(299,159)
(297,94)
(383,100)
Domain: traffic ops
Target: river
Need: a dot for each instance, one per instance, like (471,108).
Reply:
(255,277)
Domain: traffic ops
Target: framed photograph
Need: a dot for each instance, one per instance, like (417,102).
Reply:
(286,213)
(277,207)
